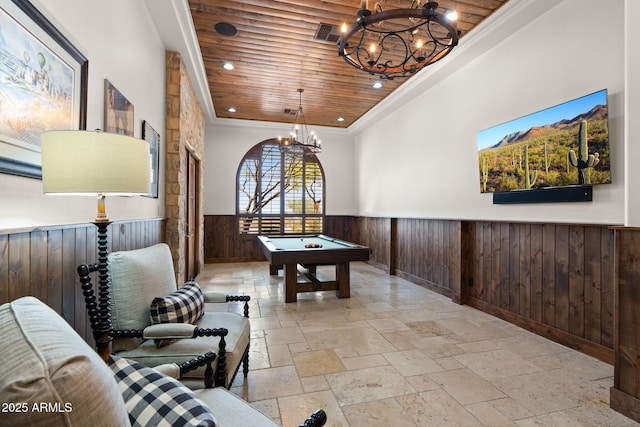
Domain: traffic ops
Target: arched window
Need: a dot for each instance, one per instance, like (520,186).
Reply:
(279,193)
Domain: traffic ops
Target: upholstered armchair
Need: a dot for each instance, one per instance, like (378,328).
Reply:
(49,376)
(153,322)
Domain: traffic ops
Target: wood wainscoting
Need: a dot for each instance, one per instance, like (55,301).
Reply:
(42,262)
(556,280)
(376,233)
(224,243)
(625,393)
(428,252)
(576,284)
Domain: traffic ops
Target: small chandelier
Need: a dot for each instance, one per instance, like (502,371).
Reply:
(300,140)
(397,42)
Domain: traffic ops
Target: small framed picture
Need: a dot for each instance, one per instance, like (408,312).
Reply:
(153,138)
(118,111)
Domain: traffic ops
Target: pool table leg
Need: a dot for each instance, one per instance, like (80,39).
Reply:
(273,269)
(342,277)
(290,282)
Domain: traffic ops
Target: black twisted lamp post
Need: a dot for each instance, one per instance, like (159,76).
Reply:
(96,163)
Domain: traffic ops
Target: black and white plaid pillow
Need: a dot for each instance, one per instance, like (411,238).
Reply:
(154,399)
(186,305)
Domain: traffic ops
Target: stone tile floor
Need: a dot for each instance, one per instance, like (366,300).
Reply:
(396,354)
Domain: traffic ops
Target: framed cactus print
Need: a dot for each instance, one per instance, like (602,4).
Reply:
(564,145)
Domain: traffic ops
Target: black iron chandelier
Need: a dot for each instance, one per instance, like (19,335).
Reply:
(300,140)
(397,42)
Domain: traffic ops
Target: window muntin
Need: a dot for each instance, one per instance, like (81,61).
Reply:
(278,193)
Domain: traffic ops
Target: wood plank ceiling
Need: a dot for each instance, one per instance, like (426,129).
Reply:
(275,52)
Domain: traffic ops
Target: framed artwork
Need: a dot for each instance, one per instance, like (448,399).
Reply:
(118,111)
(153,138)
(43,86)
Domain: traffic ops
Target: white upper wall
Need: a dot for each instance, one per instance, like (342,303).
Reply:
(120,41)
(414,155)
(227,141)
(420,159)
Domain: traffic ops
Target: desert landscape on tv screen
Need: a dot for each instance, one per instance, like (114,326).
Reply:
(567,144)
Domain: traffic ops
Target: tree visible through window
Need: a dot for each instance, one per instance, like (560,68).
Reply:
(279,193)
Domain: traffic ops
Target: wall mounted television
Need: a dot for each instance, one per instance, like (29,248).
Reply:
(561,147)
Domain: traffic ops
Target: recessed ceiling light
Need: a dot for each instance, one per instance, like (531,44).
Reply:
(231,110)
(377,85)
(341,119)
(227,66)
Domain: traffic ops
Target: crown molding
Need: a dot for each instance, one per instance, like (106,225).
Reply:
(175,28)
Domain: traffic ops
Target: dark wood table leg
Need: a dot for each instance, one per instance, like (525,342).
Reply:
(342,277)
(290,282)
(273,269)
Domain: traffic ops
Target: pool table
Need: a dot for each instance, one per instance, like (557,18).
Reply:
(291,251)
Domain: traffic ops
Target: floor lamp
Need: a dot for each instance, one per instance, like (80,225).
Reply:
(96,163)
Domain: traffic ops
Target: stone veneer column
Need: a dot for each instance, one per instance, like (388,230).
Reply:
(184,128)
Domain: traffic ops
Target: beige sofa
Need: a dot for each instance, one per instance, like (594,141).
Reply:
(49,376)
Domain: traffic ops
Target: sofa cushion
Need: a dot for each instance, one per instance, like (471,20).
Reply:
(152,398)
(48,369)
(231,410)
(137,277)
